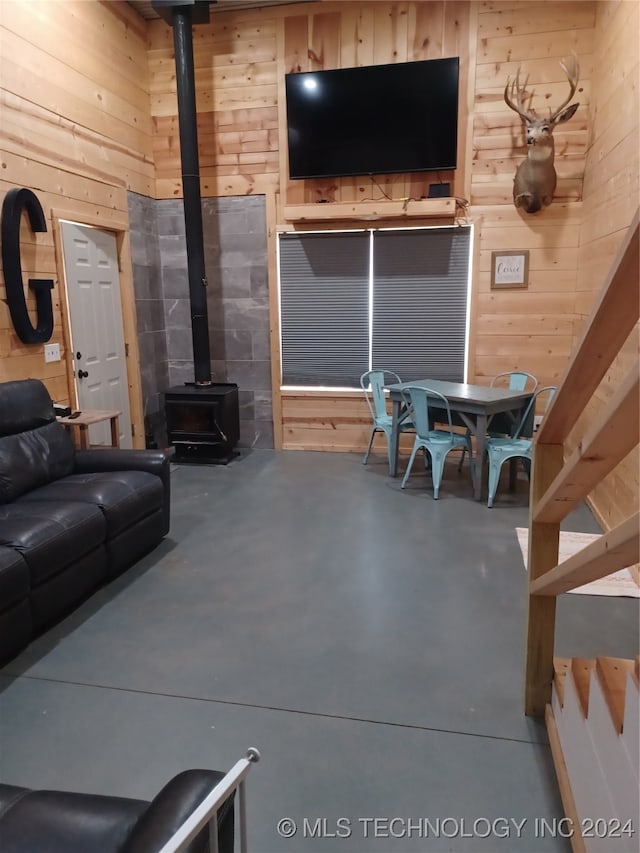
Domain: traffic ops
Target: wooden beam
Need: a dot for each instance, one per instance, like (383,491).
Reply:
(614,550)
(613,435)
(541,612)
(369,210)
(274,320)
(611,321)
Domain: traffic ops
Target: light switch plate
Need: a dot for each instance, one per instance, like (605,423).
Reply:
(52,352)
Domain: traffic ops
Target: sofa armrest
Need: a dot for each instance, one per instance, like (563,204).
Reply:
(179,818)
(118,459)
(172,806)
(156,462)
(69,822)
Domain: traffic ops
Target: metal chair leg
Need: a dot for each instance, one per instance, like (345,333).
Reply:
(366,455)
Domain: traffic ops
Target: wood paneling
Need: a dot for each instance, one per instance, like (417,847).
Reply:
(76,128)
(336,422)
(353,34)
(240,61)
(89,111)
(534,37)
(611,194)
(235,63)
(240,68)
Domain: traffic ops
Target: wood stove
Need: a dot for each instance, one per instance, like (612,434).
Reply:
(203,417)
(203,422)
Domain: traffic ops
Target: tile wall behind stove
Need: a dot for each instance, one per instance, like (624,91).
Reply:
(235,239)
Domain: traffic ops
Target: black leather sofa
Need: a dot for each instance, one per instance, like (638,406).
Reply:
(70,520)
(63,822)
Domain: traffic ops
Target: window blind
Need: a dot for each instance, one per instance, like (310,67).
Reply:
(420,284)
(324,308)
(402,306)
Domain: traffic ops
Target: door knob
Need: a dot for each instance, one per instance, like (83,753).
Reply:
(82,374)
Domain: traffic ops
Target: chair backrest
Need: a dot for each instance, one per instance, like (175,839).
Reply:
(419,400)
(551,390)
(517,380)
(373,383)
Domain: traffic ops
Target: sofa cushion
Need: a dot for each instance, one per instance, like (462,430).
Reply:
(14,578)
(124,497)
(33,458)
(34,448)
(25,404)
(50,535)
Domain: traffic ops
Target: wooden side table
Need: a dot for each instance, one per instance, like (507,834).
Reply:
(93,416)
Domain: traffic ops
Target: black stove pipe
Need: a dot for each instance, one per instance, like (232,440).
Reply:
(179,15)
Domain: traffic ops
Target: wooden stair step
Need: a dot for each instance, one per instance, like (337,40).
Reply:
(594,720)
(605,724)
(612,674)
(588,783)
(631,726)
(561,668)
(581,669)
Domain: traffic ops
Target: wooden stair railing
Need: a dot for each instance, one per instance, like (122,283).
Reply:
(592,708)
(556,488)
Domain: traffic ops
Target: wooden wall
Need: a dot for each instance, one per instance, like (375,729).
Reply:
(529,329)
(76,129)
(241,59)
(240,62)
(85,118)
(351,34)
(343,35)
(236,78)
(611,197)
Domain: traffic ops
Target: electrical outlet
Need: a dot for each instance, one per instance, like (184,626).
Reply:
(537,420)
(52,352)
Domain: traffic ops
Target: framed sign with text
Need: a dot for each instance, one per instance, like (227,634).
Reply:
(510,269)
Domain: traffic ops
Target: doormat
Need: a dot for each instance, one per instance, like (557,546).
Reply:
(625,582)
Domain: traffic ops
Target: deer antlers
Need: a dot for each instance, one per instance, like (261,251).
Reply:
(514,92)
(572,69)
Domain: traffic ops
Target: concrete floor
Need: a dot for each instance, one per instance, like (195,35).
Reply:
(368,640)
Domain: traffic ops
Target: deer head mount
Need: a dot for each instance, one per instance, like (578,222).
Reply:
(535,180)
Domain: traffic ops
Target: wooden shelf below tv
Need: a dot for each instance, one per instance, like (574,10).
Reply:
(426,208)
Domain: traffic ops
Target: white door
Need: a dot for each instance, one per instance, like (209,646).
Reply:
(95,313)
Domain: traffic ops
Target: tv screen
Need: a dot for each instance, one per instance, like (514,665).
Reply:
(373,120)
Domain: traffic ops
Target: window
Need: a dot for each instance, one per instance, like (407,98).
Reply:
(353,300)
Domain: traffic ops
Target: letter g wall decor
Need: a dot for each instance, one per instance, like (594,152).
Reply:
(13,205)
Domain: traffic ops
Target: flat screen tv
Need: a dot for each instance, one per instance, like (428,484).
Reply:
(373,120)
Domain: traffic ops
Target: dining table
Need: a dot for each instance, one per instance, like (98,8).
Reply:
(476,407)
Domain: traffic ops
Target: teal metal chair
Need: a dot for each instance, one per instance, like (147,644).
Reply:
(514,380)
(499,450)
(373,383)
(438,443)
